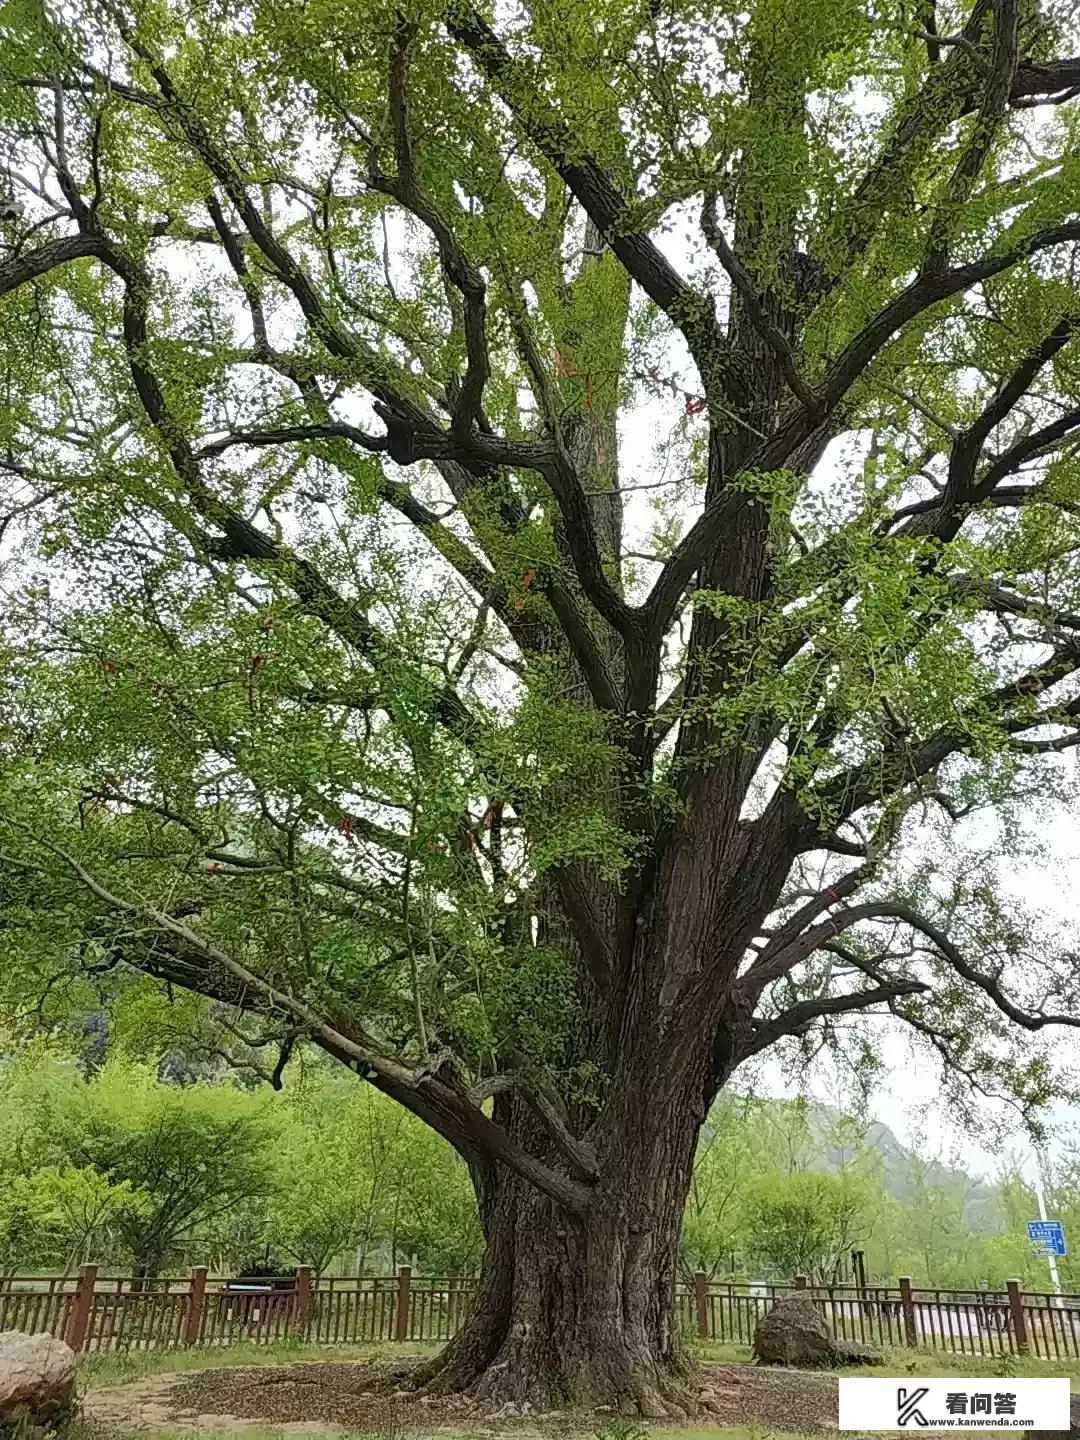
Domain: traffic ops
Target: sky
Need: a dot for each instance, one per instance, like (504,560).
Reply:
(908,1099)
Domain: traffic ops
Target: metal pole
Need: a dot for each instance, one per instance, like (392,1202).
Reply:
(1040,1200)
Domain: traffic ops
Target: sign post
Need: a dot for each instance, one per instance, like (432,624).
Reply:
(1053,1243)
(1047,1238)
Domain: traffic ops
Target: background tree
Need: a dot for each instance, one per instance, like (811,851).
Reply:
(176,1158)
(24,1230)
(124,1167)
(353,688)
(333,1170)
(1061,1188)
(727,1161)
(808,1223)
(70,1214)
(436,1220)
(362,1185)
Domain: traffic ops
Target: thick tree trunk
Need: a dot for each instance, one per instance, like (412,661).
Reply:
(582,1312)
(572,1315)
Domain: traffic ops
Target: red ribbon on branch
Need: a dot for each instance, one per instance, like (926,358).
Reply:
(692,404)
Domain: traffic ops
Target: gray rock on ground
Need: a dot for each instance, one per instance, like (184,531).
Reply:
(850,1352)
(795,1333)
(37,1381)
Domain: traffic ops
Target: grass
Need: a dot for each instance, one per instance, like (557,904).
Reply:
(103,1371)
(100,1371)
(1007,1367)
(920,1362)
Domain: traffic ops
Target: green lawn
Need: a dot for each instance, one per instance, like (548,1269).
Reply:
(102,1371)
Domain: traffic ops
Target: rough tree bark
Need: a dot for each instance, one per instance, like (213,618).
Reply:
(580,1311)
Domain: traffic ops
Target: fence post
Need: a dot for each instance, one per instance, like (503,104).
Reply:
(800,1282)
(1019,1319)
(701,1304)
(78,1325)
(907,1306)
(196,1297)
(401,1309)
(858,1261)
(302,1310)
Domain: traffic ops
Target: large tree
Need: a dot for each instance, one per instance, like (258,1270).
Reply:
(370,678)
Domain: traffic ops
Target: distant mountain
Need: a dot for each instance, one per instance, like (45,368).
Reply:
(898,1162)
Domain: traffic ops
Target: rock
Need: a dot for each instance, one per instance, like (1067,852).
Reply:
(1073,1431)
(794,1332)
(37,1381)
(850,1352)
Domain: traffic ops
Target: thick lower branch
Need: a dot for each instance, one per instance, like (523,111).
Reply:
(447,1109)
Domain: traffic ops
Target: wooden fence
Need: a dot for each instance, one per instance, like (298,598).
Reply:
(952,1321)
(93,1314)
(96,1314)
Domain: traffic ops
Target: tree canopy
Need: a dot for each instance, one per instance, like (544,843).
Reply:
(517,516)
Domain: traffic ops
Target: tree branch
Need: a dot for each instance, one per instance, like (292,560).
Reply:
(773,454)
(691,312)
(21,269)
(456,265)
(905,762)
(778,955)
(461,1122)
(743,282)
(963,488)
(1002,66)
(800,1017)
(1056,80)
(986,983)
(820,935)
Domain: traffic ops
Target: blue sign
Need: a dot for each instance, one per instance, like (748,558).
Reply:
(1047,1236)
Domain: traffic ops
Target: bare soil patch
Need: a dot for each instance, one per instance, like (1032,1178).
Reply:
(775,1399)
(331,1398)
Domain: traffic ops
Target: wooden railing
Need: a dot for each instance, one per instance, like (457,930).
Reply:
(953,1321)
(96,1314)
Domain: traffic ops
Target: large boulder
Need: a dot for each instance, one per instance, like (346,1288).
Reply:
(794,1332)
(37,1381)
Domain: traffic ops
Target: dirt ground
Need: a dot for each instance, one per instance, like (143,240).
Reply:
(333,1399)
